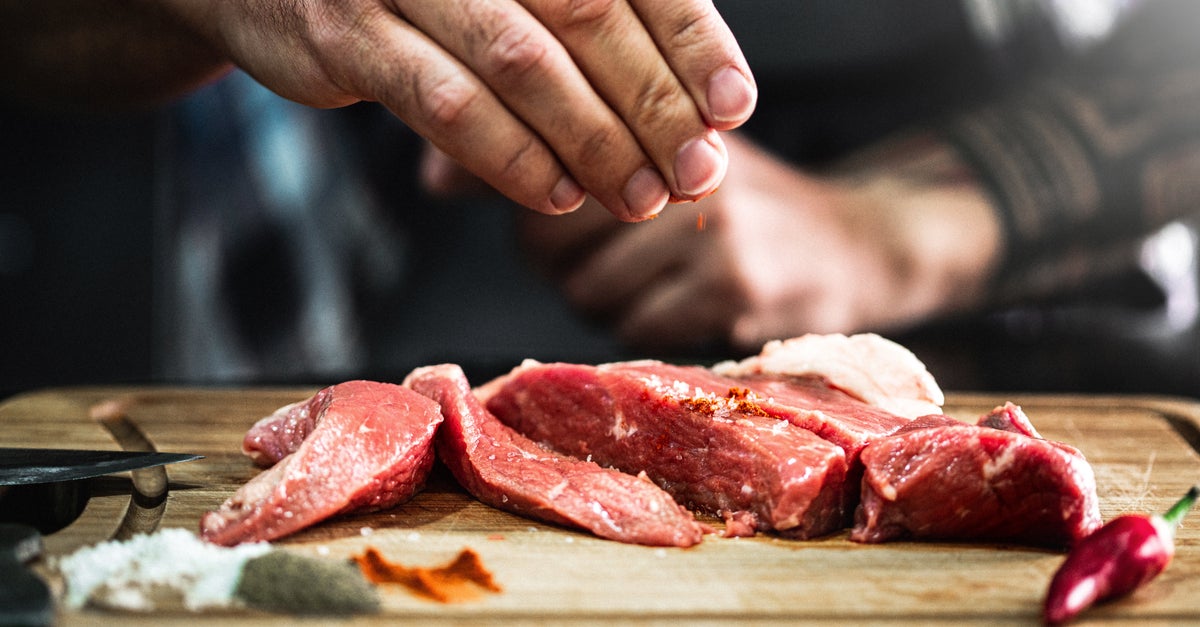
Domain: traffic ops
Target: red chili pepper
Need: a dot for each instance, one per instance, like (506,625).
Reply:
(1115,560)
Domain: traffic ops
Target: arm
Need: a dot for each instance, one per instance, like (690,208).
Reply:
(544,100)
(1018,200)
(1085,162)
(106,53)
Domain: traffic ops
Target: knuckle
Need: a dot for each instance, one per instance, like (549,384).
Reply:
(333,36)
(331,29)
(519,161)
(691,28)
(584,14)
(598,146)
(515,51)
(654,102)
(444,103)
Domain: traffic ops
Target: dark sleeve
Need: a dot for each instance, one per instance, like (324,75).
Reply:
(1086,160)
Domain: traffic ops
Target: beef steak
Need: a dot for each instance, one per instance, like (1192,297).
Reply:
(865,366)
(365,446)
(511,472)
(943,479)
(691,432)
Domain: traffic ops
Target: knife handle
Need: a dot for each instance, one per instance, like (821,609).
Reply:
(24,597)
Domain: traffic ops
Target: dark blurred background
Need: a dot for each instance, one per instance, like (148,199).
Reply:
(166,246)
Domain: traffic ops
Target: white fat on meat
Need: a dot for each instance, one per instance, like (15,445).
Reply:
(867,366)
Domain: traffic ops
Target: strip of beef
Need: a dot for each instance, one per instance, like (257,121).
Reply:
(808,402)
(943,479)
(366,446)
(707,445)
(508,471)
(850,390)
(280,434)
(865,366)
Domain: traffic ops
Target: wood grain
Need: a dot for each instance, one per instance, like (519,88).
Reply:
(1143,450)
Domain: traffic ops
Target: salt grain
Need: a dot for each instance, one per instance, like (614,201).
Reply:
(125,573)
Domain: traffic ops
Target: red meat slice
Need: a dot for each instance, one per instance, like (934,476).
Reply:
(808,402)
(280,434)
(865,366)
(365,446)
(945,480)
(708,446)
(510,472)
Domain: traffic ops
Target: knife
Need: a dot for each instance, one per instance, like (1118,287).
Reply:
(48,488)
(25,466)
(24,597)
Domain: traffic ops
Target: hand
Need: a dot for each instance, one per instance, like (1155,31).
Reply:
(545,100)
(777,253)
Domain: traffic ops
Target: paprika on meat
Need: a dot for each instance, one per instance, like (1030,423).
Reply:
(1115,560)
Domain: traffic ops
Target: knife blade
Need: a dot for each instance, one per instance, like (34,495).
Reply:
(26,466)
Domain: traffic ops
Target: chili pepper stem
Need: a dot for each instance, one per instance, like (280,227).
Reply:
(1174,515)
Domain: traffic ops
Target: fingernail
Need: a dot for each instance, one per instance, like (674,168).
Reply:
(567,195)
(645,193)
(731,98)
(699,166)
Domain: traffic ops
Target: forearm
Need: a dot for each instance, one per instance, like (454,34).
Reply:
(98,53)
(1086,162)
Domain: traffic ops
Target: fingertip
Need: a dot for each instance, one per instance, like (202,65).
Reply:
(645,195)
(731,96)
(700,166)
(567,195)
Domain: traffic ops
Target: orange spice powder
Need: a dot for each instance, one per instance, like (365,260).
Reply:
(739,399)
(460,580)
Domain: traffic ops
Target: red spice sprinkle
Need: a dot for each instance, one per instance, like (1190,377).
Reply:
(737,398)
(700,221)
(459,580)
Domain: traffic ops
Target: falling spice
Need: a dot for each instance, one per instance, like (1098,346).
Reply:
(460,580)
(700,221)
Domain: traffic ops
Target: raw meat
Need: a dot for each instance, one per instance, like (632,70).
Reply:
(941,479)
(809,402)
(508,471)
(868,367)
(365,446)
(693,433)
(848,390)
(280,434)
(1009,417)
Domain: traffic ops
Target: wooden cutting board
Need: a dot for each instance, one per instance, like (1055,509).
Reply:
(1144,451)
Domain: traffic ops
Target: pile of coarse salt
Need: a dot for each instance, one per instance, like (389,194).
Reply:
(131,574)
